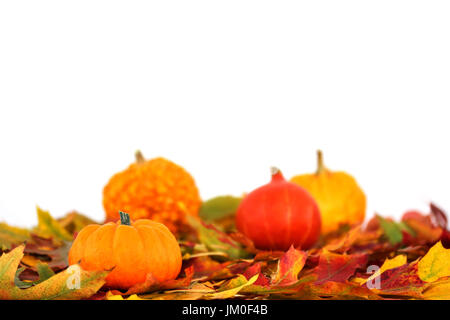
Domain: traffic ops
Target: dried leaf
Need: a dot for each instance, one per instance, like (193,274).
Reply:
(435,264)
(50,228)
(216,240)
(402,281)
(231,288)
(56,287)
(438,291)
(289,267)
(388,264)
(10,236)
(73,222)
(439,217)
(338,267)
(152,284)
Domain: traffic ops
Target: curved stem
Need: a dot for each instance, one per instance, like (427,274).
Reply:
(124,218)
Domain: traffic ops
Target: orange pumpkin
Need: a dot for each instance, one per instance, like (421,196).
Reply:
(156,189)
(132,250)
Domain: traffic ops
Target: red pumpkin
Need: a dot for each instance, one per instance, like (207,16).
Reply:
(278,215)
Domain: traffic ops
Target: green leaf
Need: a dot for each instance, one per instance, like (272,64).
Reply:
(392,231)
(44,272)
(217,241)
(50,228)
(219,207)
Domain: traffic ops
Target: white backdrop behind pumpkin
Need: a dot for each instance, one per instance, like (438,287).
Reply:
(225,90)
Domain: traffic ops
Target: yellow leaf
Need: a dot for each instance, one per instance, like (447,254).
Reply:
(439,291)
(395,262)
(435,264)
(12,235)
(111,296)
(237,284)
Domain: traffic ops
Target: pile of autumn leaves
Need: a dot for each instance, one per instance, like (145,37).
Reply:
(411,255)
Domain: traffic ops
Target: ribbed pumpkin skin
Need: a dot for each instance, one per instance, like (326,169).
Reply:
(133,251)
(156,189)
(278,215)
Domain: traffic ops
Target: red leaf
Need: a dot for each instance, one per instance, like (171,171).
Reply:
(289,266)
(438,216)
(254,270)
(402,281)
(338,267)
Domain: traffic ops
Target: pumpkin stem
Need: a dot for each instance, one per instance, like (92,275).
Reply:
(274,170)
(276,174)
(124,218)
(320,166)
(139,157)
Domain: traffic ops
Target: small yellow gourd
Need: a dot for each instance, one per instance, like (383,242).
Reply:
(341,201)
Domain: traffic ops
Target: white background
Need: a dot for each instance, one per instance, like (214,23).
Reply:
(226,89)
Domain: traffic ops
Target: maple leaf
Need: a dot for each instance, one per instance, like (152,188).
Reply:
(289,267)
(55,287)
(395,262)
(338,267)
(401,281)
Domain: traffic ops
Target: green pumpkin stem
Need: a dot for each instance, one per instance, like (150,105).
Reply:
(124,218)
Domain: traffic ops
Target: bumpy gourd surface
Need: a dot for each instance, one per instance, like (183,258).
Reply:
(156,189)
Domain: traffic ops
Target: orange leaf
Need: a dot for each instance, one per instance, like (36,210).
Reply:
(289,266)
